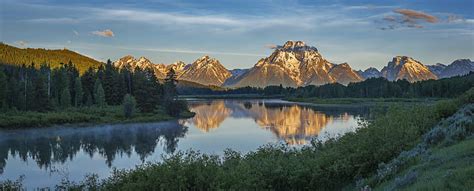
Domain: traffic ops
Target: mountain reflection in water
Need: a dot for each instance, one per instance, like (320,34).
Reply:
(293,123)
(46,155)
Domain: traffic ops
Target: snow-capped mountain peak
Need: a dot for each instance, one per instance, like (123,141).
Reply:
(404,67)
(294,64)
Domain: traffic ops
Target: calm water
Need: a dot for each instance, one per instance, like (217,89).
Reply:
(45,156)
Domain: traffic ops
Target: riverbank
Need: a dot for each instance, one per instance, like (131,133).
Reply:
(81,116)
(231,96)
(346,162)
(366,101)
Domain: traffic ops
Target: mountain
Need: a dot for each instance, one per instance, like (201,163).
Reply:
(178,67)
(344,74)
(437,68)
(235,77)
(19,56)
(403,67)
(370,73)
(143,63)
(295,64)
(457,68)
(207,71)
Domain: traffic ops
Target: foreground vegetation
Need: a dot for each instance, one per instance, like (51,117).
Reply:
(445,168)
(350,161)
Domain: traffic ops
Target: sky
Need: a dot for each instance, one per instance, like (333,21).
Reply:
(366,33)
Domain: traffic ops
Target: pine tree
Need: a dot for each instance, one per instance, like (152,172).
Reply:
(110,84)
(65,99)
(42,101)
(129,105)
(3,89)
(79,94)
(13,94)
(99,94)
(170,85)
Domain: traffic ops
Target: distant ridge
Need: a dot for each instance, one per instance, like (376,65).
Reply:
(292,64)
(19,56)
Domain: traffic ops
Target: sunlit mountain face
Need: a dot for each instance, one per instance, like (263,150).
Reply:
(209,116)
(294,124)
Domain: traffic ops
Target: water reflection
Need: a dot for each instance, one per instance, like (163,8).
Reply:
(209,115)
(241,125)
(295,124)
(57,145)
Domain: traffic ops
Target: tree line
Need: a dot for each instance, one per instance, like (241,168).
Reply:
(370,88)
(383,88)
(33,88)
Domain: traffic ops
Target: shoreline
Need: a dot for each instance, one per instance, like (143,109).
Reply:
(81,117)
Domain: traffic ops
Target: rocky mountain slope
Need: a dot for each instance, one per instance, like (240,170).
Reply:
(344,74)
(295,64)
(437,68)
(457,68)
(370,73)
(403,67)
(207,71)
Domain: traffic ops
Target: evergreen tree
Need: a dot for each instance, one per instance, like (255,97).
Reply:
(129,105)
(13,94)
(99,94)
(78,93)
(170,86)
(3,89)
(65,99)
(42,101)
(110,84)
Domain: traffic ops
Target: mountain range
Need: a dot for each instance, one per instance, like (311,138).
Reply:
(297,64)
(292,64)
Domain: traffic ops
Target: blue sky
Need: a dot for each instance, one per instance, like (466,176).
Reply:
(238,33)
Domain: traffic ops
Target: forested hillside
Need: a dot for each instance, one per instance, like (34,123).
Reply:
(31,91)
(18,56)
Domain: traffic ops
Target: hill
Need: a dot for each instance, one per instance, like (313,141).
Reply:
(19,56)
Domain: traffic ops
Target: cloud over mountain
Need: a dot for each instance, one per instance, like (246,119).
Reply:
(407,18)
(412,15)
(104,33)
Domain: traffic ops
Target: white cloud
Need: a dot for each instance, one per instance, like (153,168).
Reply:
(75,32)
(295,16)
(104,33)
(62,20)
(21,43)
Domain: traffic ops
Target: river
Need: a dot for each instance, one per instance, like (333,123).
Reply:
(45,156)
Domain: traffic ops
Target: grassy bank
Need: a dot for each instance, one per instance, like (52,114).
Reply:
(448,168)
(362,100)
(80,116)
